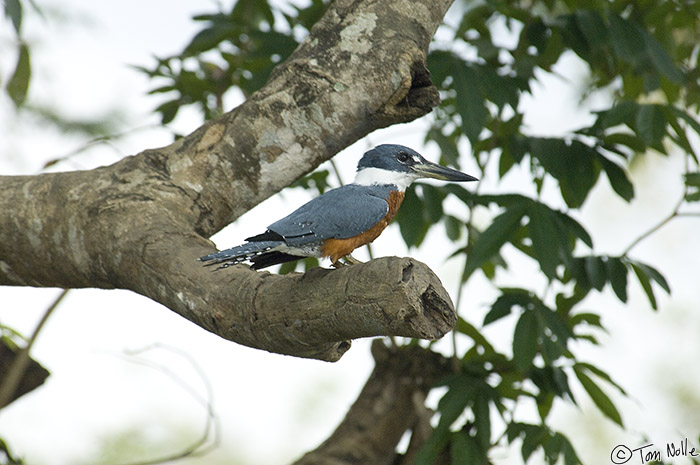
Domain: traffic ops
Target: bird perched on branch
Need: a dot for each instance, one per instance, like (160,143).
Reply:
(339,221)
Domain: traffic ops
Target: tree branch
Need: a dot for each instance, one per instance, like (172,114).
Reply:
(141,223)
(390,403)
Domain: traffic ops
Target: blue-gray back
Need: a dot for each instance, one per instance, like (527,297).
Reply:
(339,213)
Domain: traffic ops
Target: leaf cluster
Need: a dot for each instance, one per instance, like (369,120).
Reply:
(629,53)
(235,49)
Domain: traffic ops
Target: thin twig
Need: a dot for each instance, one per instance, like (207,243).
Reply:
(106,139)
(336,171)
(205,443)
(675,213)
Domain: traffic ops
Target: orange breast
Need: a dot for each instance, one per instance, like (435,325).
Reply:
(339,248)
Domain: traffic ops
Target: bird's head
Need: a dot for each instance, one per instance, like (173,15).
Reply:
(399,165)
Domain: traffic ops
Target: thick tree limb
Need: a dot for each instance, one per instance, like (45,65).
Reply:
(140,224)
(391,403)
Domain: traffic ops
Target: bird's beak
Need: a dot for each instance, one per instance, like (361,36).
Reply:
(433,170)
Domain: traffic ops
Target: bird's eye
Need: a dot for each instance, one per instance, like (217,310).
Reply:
(403,157)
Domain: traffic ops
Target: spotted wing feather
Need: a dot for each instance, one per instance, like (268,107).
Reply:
(239,254)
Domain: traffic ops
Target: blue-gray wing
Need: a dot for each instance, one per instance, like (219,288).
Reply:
(339,213)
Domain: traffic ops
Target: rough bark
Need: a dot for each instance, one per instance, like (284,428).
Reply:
(141,223)
(391,403)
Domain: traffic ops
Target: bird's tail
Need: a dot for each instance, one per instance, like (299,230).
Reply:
(239,254)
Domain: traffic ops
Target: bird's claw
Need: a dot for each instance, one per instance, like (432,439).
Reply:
(347,260)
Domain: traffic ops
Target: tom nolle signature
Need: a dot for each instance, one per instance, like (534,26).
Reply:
(647,453)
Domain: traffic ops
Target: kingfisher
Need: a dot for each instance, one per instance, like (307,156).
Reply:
(340,220)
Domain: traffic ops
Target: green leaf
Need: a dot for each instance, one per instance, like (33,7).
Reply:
(210,37)
(545,240)
(464,450)
(455,400)
(617,177)
(503,306)
(592,26)
(617,276)
(626,39)
(458,396)
(570,457)
(645,274)
(614,140)
(662,61)
(599,398)
(453,227)
(168,110)
(581,173)
(440,63)
(430,449)
(592,319)
(492,239)
(646,285)
(556,445)
(432,199)
(469,330)
(18,84)
(572,164)
(595,269)
(501,90)
(601,374)
(253,12)
(693,196)
(575,229)
(552,448)
(623,112)
(13,10)
(482,418)
(650,125)
(545,401)
(692,182)
(268,43)
(654,274)
(533,439)
(318,180)
(525,340)
(552,379)
(577,271)
(448,145)
(310,15)
(557,325)
(687,117)
(681,136)
(470,101)
(411,219)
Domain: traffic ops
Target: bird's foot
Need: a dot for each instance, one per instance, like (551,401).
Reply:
(347,260)
(352,260)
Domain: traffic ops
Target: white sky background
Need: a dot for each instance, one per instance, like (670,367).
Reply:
(93,393)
